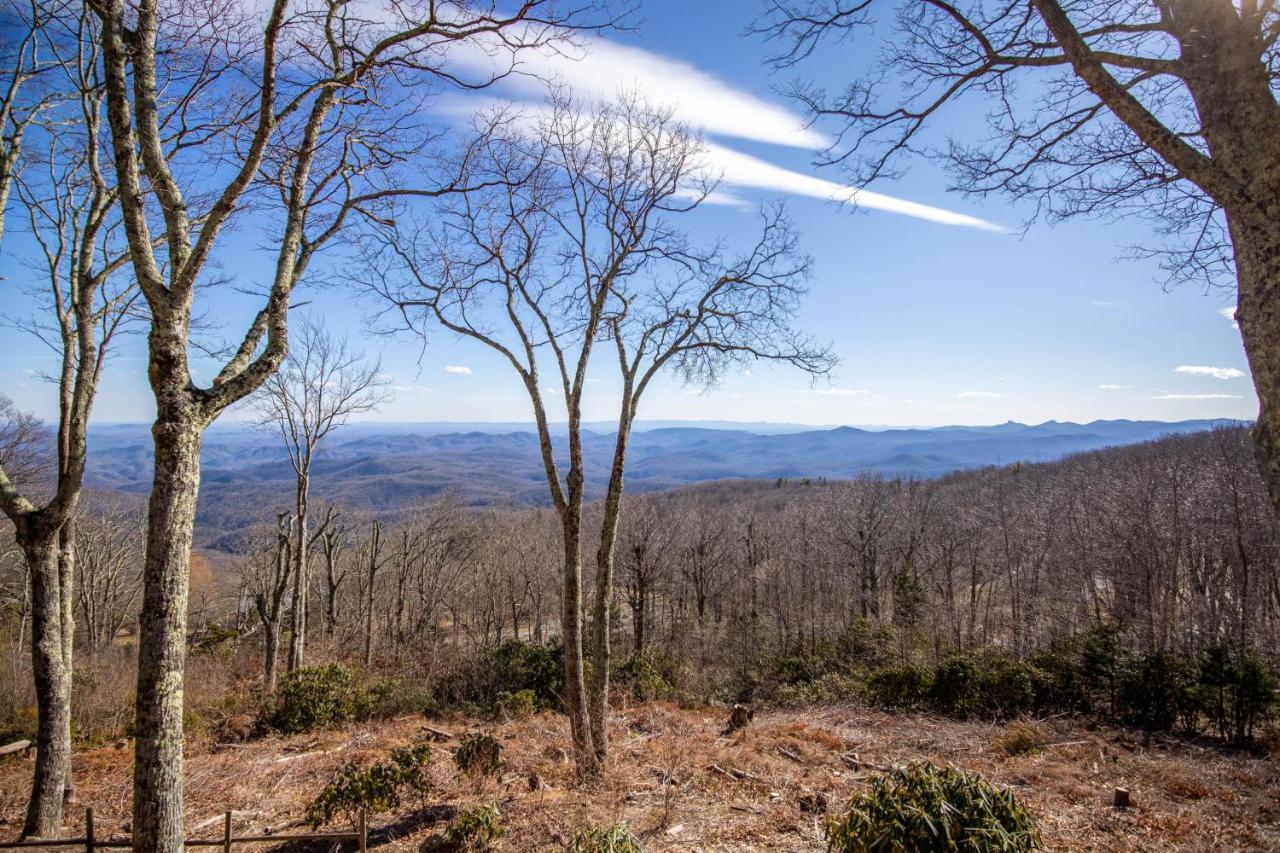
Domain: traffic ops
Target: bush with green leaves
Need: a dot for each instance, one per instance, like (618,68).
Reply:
(529,666)
(1155,691)
(1009,688)
(903,687)
(314,697)
(933,809)
(1057,685)
(376,788)
(517,705)
(830,689)
(477,681)
(648,675)
(1100,662)
(478,755)
(1235,693)
(867,644)
(1253,696)
(477,828)
(605,839)
(957,687)
(391,697)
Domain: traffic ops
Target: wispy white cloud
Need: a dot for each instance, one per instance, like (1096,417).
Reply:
(979,394)
(1205,370)
(1196,397)
(1230,314)
(841,392)
(743,170)
(460,369)
(1109,387)
(599,68)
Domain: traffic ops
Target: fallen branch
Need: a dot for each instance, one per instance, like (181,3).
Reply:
(786,753)
(16,746)
(436,734)
(735,774)
(858,764)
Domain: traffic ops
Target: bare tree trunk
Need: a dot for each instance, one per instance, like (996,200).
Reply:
(374,542)
(51,667)
(158,759)
(599,699)
(575,694)
(301,579)
(271,660)
(1257,254)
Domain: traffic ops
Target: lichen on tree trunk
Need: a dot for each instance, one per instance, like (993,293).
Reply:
(158,758)
(51,667)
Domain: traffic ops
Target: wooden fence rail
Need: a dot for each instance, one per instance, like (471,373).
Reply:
(91,843)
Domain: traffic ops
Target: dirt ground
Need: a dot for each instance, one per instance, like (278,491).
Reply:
(680,785)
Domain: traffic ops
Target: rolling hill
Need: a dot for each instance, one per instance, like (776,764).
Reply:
(385,467)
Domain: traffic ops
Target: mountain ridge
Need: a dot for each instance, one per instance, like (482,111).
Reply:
(246,473)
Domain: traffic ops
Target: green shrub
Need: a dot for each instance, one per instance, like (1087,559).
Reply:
(1008,688)
(1100,661)
(831,689)
(868,644)
(1154,692)
(648,675)
(605,839)
(517,705)
(312,697)
(392,697)
(376,788)
(478,755)
(519,666)
(476,828)
(1057,683)
(957,687)
(810,665)
(926,808)
(902,687)
(1253,696)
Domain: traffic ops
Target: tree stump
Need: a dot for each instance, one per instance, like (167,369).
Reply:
(1121,800)
(738,718)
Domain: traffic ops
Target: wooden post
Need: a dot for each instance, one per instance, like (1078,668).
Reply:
(364,831)
(89,845)
(226,833)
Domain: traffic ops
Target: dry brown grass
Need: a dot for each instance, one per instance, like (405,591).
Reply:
(679,785)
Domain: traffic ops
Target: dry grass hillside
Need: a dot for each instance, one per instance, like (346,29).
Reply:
(680,785)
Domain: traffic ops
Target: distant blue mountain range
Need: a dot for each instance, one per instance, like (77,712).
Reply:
(383,467)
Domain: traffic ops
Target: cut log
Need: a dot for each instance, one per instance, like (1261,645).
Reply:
(436,734)
(1121,800)
(16,746)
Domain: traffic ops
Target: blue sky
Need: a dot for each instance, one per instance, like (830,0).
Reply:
(934,323)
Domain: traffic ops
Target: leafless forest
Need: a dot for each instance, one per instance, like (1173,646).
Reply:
(1119,601)
(737,591)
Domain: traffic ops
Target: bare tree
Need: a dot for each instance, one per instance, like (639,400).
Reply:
(309,113)
(69,202)
(567,243)
(266,575)
(22,452)
(108,568)
(1164,108)
(321,384)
